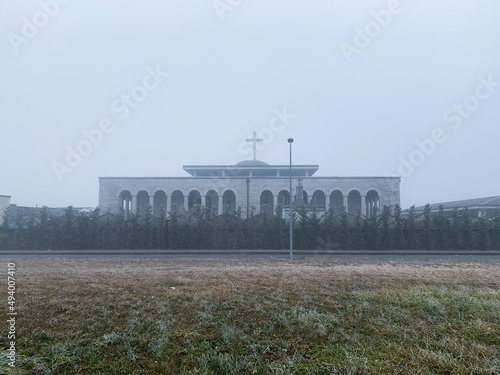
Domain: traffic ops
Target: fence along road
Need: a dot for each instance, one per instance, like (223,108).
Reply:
(326,254)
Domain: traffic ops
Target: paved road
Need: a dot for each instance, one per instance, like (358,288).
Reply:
(169,254)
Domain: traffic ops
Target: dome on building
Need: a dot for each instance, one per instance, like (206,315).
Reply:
(252,163)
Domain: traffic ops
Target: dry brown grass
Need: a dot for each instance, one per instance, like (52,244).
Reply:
(221,309)
(242,273)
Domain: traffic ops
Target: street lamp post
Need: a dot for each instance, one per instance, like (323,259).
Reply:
(290,140)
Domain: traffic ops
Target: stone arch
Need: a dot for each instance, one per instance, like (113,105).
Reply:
(125,202)
(177,201)
(284,198)
(194,198)
(267,202)
(319,199)
(229,202)
(142,202)
(212,202)
(159,203)
(336,200)
(354,202)
(372,202)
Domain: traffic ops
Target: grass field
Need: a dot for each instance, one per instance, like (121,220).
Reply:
(255,316)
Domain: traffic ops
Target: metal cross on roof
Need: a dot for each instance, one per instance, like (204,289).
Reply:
(254,140)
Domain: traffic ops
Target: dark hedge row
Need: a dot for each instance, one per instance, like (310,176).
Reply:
(198,229)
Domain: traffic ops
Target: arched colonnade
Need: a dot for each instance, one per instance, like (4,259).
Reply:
(177,200)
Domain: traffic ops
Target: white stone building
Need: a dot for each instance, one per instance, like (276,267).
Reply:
(248,184)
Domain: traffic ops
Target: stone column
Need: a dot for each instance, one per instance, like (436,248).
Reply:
(186,202)
(127,207)
(327,202)
(221,207)
(346,200)
(168,207)
(134,203)
(203,200)
(275,202)
(152,201)
(363,205)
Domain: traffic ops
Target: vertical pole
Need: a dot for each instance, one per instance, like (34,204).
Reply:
(254,145)
(290,140)
(248,197)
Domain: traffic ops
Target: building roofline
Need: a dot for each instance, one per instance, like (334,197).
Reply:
(250,166)
(254,177)
(447,209)
(474,202)
(258,169)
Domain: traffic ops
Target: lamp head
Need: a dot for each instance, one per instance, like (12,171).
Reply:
(290,140)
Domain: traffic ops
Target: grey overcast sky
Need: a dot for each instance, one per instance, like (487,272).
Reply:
(140,88)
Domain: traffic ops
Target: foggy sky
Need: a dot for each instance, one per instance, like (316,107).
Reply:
(134,88)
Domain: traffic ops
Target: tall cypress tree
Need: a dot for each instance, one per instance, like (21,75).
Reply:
(455,230)
(313,230)
(251,230)
(69,233)
(328,230)
(384,221)
(279,229)
(94,233)
(240,229)
(147,228)
(359,233)
(483,229)
(495,232)
(426,236)
(344,230)
(398,229)
(5,230)
(20,233)
(411,229)
(439,224)
(30,225)
(369,231)
(466,230)
(133,237)
(162,232)
(82,231)
(121,237)
(302,240)
(173,229)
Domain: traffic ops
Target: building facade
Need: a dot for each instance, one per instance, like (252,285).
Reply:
(486,207)
(251,185)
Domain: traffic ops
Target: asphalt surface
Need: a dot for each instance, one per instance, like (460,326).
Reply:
(220,254)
